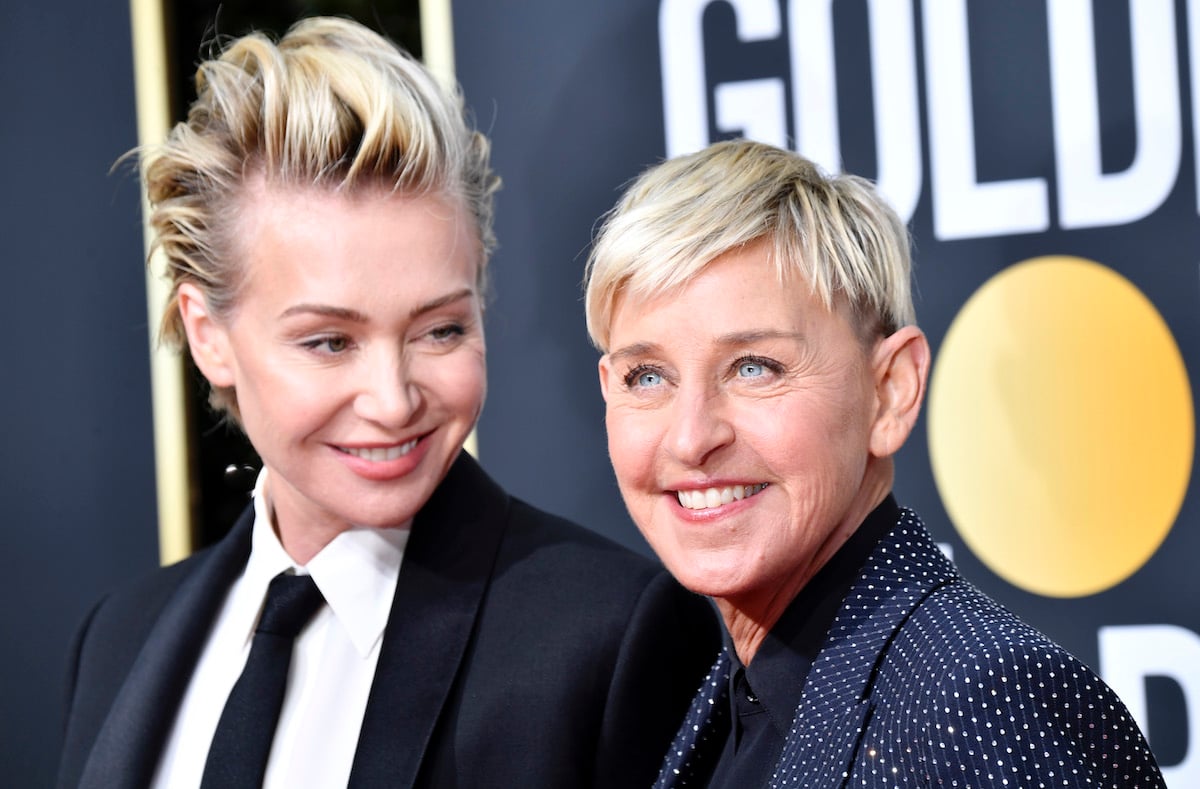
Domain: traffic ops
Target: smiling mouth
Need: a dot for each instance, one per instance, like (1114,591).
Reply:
(381,454)
(716,497)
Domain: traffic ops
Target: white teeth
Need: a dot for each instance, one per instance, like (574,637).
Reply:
(715,497)
(380,454)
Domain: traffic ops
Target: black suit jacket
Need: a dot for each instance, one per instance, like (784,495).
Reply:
(521,650)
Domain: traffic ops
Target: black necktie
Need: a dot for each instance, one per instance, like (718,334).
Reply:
(242,742)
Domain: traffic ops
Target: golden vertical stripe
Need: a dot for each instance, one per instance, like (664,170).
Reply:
(437,38)
(437,48)
(167,379)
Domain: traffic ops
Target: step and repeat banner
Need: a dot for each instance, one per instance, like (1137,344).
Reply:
(1045,156)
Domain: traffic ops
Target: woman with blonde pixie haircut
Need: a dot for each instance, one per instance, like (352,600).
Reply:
(761,366)
(835,232)
(383,613)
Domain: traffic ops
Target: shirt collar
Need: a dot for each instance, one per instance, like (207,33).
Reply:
(356,573)
(781,665)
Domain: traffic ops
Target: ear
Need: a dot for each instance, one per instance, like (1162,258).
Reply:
(901,365)
(604,368)
(208,340)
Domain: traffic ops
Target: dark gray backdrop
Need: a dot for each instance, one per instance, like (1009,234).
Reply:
(76,463)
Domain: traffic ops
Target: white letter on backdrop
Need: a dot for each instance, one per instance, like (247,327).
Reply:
(681,52)
(1193,24)
(1129,654)
(754,108)
(962,207)
(894,78)
(897,125)
(814,82)
(1088,197)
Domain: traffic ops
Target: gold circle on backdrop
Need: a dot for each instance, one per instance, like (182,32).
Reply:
(1060,426)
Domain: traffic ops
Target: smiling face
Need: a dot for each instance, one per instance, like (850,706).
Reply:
(356,351)
(748,426)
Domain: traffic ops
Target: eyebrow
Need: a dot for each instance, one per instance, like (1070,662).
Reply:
(731,339)
(757,335)
(442,301)
(629,351)
(354,316)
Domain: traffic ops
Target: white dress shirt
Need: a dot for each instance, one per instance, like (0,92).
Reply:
(333,661)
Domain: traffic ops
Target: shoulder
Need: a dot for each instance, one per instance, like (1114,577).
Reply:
(572,572)
(469,510)
(138,602)
(535,535)
(588,651)
(112,635)
(995,697)
(131,609)
(106,646)
(599,603)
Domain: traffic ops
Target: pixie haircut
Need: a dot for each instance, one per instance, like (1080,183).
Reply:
(332,106)
(836,232)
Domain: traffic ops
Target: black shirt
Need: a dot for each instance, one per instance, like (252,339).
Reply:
(764,696)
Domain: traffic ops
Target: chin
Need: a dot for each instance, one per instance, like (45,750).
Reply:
(383,516)
(710,576)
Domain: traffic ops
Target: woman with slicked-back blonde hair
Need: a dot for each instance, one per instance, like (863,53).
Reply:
(383,613)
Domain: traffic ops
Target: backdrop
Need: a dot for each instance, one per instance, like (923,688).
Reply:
(1044,155)
(76,458)
(1043,151)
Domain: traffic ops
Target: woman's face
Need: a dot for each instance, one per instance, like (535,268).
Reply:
(739,416)
(356,351)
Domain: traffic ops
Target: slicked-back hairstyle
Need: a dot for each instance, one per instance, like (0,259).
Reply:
(837,232)
(333,106)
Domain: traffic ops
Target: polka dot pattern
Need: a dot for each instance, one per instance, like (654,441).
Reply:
(926,681)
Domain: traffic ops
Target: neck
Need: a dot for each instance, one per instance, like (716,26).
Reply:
(301,541)
(750,617)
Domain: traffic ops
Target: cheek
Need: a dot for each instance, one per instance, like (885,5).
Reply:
(274,409)
(632,442)
(460,383)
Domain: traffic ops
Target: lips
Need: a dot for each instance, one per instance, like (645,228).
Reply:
(708,498)
(380,454)
(385,463)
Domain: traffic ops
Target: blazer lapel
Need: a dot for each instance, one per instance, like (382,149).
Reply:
(701,738)
(128,747)
(836,705)
(446,568)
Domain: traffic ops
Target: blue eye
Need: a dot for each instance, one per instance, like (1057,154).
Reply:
(756,367)
(649,379)
(643,377)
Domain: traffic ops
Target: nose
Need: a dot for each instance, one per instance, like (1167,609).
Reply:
(388,394)
(699,427)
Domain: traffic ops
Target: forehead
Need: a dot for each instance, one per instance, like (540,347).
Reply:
(739,295)
(377,253)
(288,212)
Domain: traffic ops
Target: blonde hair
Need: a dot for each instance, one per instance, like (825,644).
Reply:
(332,105)
(677,217)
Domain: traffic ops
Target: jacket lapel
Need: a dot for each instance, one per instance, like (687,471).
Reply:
(836,705)
(701,738)
(129,745)
(446,568)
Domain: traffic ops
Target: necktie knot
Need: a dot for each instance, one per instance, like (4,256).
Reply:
(291,602)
